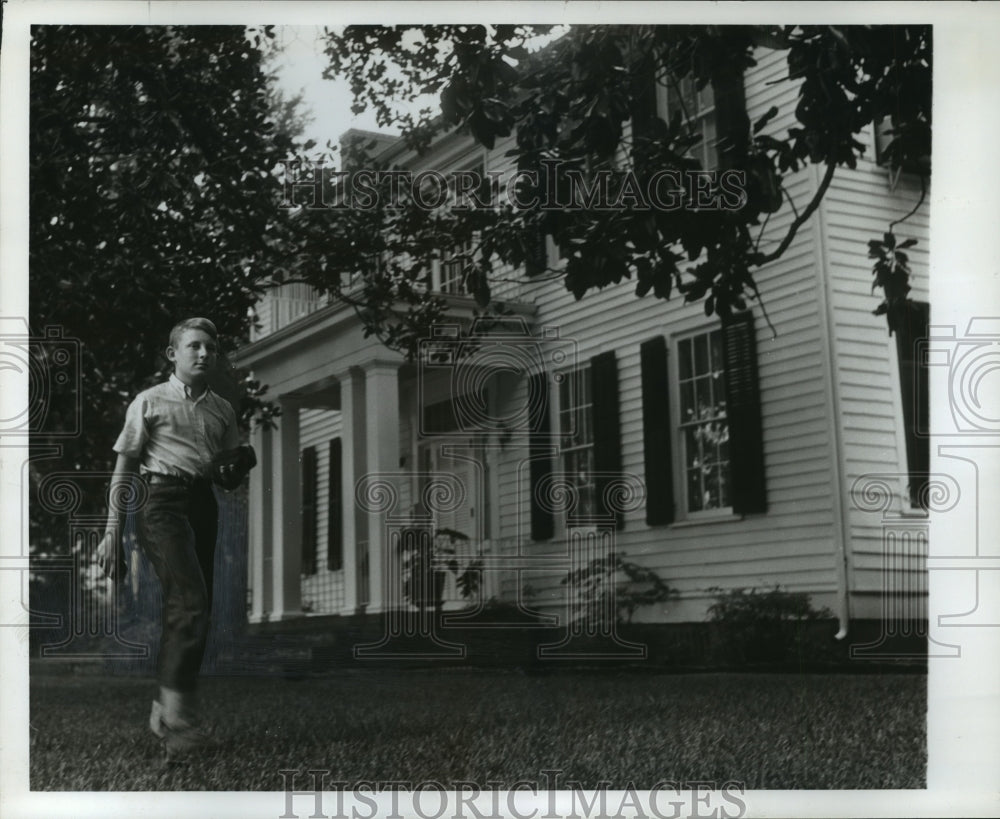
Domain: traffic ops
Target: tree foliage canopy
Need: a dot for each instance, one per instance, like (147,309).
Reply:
(585,100)
(152,156)
(154,192)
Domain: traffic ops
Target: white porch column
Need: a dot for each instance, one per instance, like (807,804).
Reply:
(286,506)
(352,453)
(382,445)
(260,527)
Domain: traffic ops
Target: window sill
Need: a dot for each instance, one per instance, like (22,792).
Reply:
(706,518)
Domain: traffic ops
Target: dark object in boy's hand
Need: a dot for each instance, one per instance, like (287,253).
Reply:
(230,467)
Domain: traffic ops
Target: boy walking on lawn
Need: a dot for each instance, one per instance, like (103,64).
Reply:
(179,435)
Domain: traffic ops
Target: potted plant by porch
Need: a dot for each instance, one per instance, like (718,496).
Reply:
(427,555)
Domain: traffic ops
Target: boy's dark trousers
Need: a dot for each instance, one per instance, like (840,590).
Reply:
(177,531)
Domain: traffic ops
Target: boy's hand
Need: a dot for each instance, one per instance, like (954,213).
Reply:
(111,557)
(231,467)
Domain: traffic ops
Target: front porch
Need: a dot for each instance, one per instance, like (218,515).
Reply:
(345,469)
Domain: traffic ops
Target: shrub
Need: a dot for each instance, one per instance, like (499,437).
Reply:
(774,626)
(632,585)
(425,558)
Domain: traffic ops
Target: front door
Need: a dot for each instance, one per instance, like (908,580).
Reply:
(449,485)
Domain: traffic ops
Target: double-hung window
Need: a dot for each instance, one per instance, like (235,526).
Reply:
(703,443)
(454,269)
(717,113)
(590,451)
(576,429)
(456,261)
(697,111)
(704,427)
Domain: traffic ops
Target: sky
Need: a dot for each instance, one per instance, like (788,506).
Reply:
(299,67)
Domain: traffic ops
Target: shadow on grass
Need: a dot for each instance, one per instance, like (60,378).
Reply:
(764,730)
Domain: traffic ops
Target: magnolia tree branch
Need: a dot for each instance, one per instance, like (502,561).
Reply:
(800,220)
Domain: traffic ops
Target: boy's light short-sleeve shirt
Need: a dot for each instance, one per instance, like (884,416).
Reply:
(171,433)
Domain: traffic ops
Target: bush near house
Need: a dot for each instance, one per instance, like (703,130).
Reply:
(774,626)
(426,556)
(614,581)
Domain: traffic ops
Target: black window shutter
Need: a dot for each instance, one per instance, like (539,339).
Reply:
(309,528)
(746,444)
(731,120)
(535,237)
(536,259)
(542,522)
(335,505)
(656,432)
(607,427)
(913,378)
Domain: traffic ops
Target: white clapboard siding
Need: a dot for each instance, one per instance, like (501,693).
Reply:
(795,543)
(859,206)
(792,544)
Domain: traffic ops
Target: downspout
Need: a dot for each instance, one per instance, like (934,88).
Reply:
(841,519)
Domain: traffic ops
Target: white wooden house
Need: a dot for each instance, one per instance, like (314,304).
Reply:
(771,497)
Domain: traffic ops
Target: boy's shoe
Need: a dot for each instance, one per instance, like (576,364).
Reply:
(156,719)
(184,737)
(178,738)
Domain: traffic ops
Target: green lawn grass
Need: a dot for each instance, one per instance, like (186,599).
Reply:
(764,730)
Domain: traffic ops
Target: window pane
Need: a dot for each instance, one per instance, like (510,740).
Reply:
(694,490)
(684,358)
(719,393)
(718,431)
(681,97)
(692,448)
(708,143)
(712,489)
(565,421)
(724,485)
(700,355)
(690,98)
(703,393)
(709,449)
(715,343)
(706,98)
(583,420)
(575,413)
(687,402)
